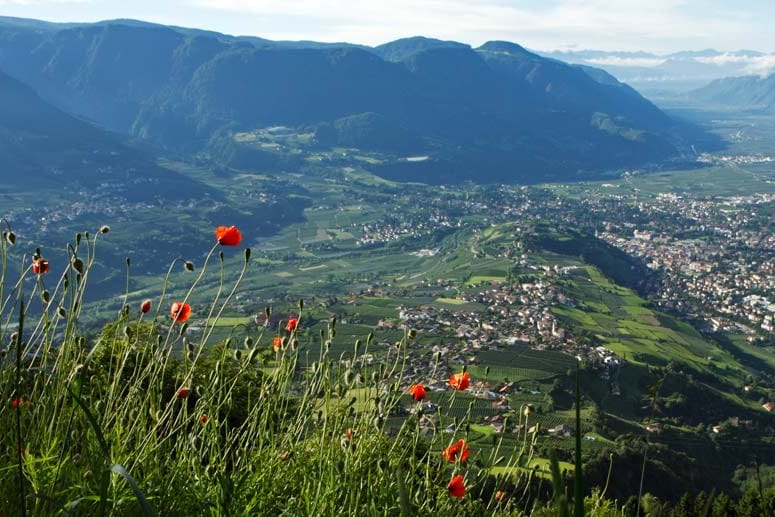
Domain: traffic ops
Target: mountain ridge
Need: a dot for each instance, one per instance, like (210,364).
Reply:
(188,90)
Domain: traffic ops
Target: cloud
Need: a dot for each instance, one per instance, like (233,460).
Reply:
(749,64)
(657,25)
(42,2)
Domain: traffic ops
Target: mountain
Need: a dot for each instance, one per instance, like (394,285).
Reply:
(401,49)
(667,75)
(61,174)
(43,147)
(750,92)
(496,113)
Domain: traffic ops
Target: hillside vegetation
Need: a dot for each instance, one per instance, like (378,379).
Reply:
(495,113)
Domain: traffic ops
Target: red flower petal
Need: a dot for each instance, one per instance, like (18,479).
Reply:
(292,324)
(180,311)
(40,266)
(456,488)
(228,236)
(460,381)
(417,391)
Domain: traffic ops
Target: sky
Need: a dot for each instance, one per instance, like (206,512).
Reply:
(659,26)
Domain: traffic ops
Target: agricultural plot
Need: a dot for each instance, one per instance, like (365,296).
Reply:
(620,321)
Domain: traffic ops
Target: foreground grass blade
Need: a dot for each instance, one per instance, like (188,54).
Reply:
(144,504)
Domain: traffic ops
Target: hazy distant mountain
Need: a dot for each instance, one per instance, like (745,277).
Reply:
(750,92)
(496,113)
(676,73)
(42,147)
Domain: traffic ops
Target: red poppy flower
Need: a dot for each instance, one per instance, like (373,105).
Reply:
(228,236)
(145,306)
(292,324)
(40,266)
(204,418)
(456,488)
(460,381)
(180,311)
(456,450)
(183,392)
(17,402)
(277,343)
(417,391)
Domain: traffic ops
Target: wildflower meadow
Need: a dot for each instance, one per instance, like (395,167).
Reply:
(145,418)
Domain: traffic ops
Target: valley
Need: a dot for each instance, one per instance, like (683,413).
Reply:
(602,267)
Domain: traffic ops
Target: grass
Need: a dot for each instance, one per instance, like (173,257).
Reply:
(150,418)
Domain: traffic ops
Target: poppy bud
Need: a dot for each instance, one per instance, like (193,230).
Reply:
(203,419)
(45,296)
(348,377)
(183,392)
(247,255)
(78,238)
(248,342)
(104,228)
(238,354)
(412,334)
(128,332)
(62,312)
(301,304)
(10,237)
(145,306)
(188,265)
(78,265)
